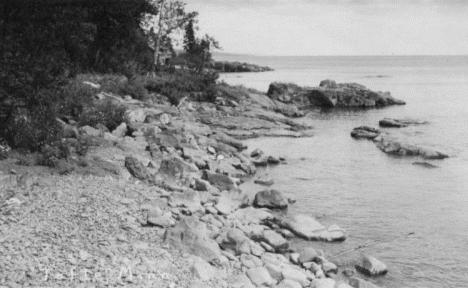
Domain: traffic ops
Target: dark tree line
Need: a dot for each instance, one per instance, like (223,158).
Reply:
(43,43)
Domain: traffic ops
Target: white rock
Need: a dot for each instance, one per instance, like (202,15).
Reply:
(260,276)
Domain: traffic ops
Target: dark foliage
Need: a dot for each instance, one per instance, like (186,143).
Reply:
(107,113)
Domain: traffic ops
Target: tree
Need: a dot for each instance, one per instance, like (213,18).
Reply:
(170,18)
(189,38)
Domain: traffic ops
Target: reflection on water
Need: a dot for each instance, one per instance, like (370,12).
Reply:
(375,196)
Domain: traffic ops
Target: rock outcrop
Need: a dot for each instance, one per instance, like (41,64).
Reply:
(331,94)
(236,67)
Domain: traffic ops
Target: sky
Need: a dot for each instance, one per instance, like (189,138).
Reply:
(335,27)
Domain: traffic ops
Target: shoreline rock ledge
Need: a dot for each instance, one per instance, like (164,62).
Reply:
(330,94)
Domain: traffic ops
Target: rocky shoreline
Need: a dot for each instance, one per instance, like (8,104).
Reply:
(168,209)
(238,67)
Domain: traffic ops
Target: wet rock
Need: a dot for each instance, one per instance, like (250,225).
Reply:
(360,283)
(260,161)
(310,229)
(270,199)
(371,266)
(220,181)
(222,137)
(365,132)
(136,168)
(398,123)
(275,240)
(260,276)
(191,235)
(287,234)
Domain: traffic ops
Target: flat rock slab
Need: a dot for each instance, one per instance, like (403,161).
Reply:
(310,229)
(365,132)
(393,146)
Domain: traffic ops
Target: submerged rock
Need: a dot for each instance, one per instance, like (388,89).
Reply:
(264,181)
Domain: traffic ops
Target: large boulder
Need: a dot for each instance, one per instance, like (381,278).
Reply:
(229,202)
(371,266)
(310,229)
(284,92)
(191,235)
(270,199)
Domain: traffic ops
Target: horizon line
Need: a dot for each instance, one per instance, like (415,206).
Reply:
(346,55)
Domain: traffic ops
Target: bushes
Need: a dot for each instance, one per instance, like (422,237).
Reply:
(107,113)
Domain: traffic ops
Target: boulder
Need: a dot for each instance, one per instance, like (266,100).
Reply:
(270,199)
(240,281)
(233,240)
(222,137)
(365,132)
(310,229)
(191,235)
(120,131)
(308,255)
(275,240)
(229,202)
(174,167)
(189,199)
(163,221)
(136,168)
(329,267)
(371,266)
(220,181)
(260,277)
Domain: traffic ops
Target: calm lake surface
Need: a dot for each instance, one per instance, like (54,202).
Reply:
(370,194)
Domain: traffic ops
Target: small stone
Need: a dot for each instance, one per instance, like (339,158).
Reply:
(308,255)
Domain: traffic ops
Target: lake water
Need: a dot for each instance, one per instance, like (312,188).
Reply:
(370,194)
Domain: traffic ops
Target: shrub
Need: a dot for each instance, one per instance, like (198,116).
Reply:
(135,87)
(107,113)
(74,98)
